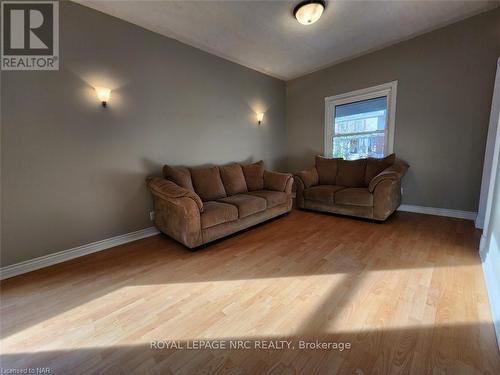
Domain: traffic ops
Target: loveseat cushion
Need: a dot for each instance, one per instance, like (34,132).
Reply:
(207,183)
(354,197)
(215,213)
(273,198)
(233,179)
(181,176)
(254,175)
(327,170)
(351,173)
(322,193)
(246,204)
(375,166)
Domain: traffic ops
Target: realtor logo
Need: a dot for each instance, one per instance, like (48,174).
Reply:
(30,35)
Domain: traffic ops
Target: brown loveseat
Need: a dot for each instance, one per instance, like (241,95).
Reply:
(368,188)
(200,205)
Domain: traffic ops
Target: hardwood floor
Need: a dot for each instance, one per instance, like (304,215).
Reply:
(408,296)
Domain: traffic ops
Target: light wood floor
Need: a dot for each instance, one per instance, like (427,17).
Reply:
(407,295)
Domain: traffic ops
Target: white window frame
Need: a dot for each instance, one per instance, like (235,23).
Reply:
(387,89)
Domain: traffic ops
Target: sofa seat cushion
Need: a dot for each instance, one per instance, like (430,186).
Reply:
(246,204)
(215,213)
(322,193)
(354,197)
(273,198)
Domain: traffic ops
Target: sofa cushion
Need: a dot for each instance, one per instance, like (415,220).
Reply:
(354,197)
(207,183)
(327,170)
(375,166)
(246,204)
(233,179)
(215,213)
(273,198)
(181,176)
(322,193)
(276,181)
(351,173)
(254,175)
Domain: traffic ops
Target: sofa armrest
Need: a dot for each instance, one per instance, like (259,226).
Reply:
(165,189)
(386,198)
(309,177)
(289,186)
(277,181)
(394,173)
(177,211)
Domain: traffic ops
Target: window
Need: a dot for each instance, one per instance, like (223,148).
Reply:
(361,123)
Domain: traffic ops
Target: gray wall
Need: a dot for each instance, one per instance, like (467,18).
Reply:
(444,95)
(73,172)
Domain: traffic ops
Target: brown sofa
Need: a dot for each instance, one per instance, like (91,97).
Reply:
(368,188)
(199,205)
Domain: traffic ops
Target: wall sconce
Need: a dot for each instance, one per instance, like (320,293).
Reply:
(103,94)
(260,116)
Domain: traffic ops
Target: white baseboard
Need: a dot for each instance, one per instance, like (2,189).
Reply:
(479,221)
(63,256)
(469,215)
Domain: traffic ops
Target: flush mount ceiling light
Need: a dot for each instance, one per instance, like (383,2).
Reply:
(309,11)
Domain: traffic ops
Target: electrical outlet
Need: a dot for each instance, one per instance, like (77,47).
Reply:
(151,215)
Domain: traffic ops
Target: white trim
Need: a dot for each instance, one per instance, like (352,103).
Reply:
(489,248)
(469,215)
(493,174)
(479,222)
(490,269)
(76,252)
(482,245)
(489,162)
(391,103)
(388,89)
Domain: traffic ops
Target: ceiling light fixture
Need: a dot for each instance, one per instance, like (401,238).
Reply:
(309,11)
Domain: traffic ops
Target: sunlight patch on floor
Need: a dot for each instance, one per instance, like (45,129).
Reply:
(267,307)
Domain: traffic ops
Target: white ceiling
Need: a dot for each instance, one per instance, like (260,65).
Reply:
(263,35)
